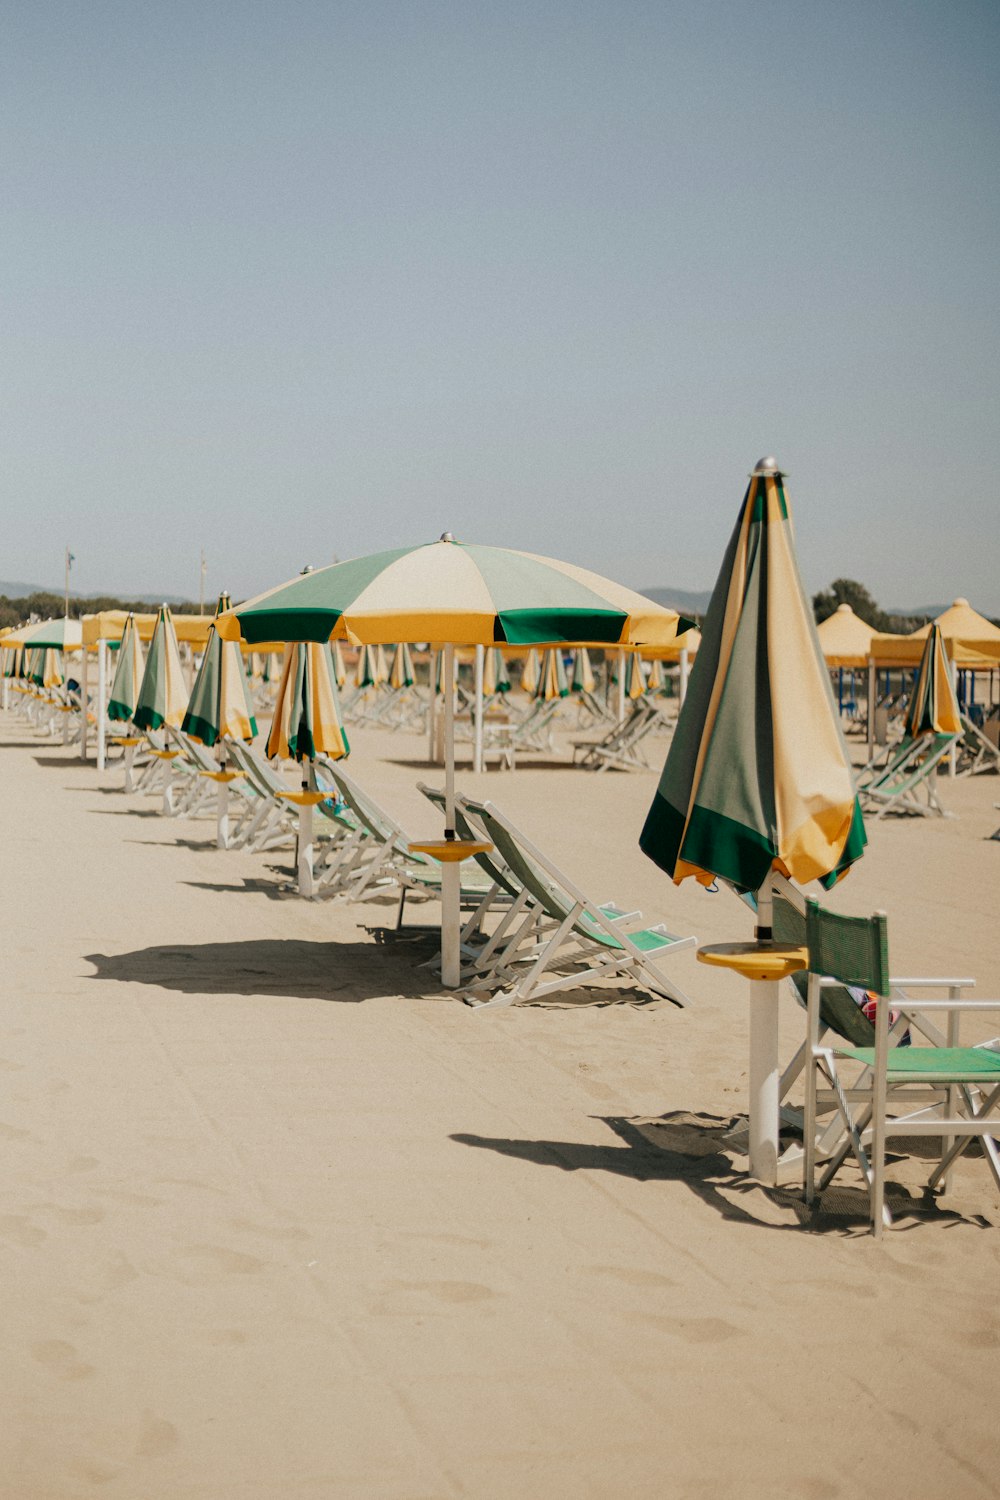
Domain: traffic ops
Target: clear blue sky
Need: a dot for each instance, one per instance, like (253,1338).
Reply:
(299,279)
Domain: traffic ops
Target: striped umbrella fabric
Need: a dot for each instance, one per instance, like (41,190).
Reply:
(401,671)
(655,681)
(447,592)
(495,677)
(372,668)
(757,776)
(933,706)
(582,680)
(552,678)
(339,670)
(44,666)
(128,675)
(635,681)
(307,718)
(219,706)
(530,673)
(163,694)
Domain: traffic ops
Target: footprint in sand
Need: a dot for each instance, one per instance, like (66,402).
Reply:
(61,1359)
(224,1338)
(19,1230)
(11,1133)
(631,1277)
(77,1215)
(694,1330)
(156,1437)
(401,1296)
(198,1264)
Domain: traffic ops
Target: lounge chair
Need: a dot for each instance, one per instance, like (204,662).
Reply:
(975,751)
(620,748)
(583,942)
(957,1088)
(910,773)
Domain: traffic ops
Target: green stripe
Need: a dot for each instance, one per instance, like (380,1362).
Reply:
(534,627)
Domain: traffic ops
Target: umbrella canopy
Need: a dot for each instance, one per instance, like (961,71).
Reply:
(757,776)
(401,671)
(635,681)
(128,675)
(307,718)
(448,592)
(163,695)
(55,635)
(844,638)
(933,706)
(552,677)
(582,680)
(372,668)
(495,678)
(219,706)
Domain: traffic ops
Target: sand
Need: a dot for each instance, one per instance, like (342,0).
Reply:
(281,1219)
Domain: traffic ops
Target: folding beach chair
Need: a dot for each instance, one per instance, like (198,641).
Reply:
(975,752)
(956,1088)
(910,773)
(584,942)
(620,749)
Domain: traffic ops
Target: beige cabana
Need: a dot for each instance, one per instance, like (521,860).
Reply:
(963,623)
(845,639)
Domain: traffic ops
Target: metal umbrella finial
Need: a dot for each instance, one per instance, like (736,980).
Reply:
(446,536)
(767,465)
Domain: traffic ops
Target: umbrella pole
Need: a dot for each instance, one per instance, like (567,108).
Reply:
(451,871)
(305,844)
(221,802)
(432,709)
(102,702)
(764,1071)
(84,686)
(477,754)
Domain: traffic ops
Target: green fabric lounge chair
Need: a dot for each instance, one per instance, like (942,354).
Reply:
(907,783)
(586,943)
(956,1088)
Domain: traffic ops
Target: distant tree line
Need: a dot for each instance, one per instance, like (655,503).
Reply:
(46,606)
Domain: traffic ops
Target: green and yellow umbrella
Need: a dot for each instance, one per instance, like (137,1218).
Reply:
(933,706)
(582,679)
(372,669)
(219,706)
(128,675)
(45,666)
(635,681)
(530,673)
(401,671)
(163,694)
(552,682)
(495,677)
(757,776)
(655,681)
(307,718)
(339,670)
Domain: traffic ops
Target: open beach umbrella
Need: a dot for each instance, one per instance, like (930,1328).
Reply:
(582,679)
(307,718)
(933,706)
(57,635)
(128,675)
(163,694)
(757,776)
(219,706)
(449,594)
(551,678)
(495,678)
(401,671)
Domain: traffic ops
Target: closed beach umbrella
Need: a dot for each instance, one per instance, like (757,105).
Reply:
(757,776)
(495,678)
(128,675)
(933,706)
(551,678)
(307,718)
(339,670)
(530,673)
(401,671)
(163,695)
(441,676)
(655,680)
(371,669)
(635,681)
(219,706)
(450,594)
(582,680)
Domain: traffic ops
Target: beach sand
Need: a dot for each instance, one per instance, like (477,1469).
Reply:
(280,1218)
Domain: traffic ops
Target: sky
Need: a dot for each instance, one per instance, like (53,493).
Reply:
(295,281)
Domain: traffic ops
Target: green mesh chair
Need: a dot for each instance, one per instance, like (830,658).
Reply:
(956,1089)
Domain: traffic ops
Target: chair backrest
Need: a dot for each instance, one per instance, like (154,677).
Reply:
(837,1007)
(854,950)
(490,862)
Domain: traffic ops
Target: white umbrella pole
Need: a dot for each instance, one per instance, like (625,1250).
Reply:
(84,681)
(221,801)
(765,1073)
(433,710)
(477,756)
(451,870)
(102,701)
(871,707)
(682,680)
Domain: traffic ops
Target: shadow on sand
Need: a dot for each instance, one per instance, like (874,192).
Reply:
(692,1149)
(288,967)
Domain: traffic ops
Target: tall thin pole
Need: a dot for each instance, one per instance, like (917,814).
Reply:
(69,563)
(201,583)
